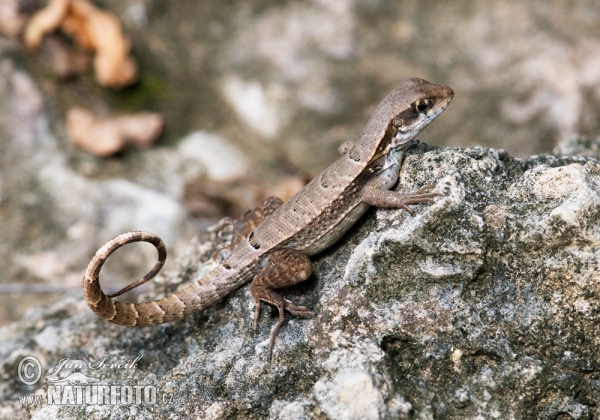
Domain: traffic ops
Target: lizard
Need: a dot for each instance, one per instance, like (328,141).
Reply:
(272,244)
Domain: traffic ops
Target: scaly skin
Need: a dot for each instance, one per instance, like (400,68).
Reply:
(272,245)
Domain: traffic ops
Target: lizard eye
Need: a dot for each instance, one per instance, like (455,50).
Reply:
(423,105)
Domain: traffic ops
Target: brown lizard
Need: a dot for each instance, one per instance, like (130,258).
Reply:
(271,245)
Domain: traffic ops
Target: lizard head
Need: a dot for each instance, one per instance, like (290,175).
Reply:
(414,104)
(400,117)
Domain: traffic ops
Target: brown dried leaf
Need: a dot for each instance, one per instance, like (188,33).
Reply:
(93,29)
(101,32)
(107,136)
(45,21)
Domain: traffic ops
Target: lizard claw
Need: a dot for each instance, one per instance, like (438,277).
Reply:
(294,310)
(416,197)
(287,266)
(219,228)
(423,189)
(215,255)
(282,305)
(408,209)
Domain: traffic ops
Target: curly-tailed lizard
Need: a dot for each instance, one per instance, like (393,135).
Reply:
(272,244)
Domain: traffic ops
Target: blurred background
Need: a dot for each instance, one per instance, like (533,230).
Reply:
(255,97)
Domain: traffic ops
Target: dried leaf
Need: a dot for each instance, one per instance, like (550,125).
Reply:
(107,136)
(93,29)
(45,21)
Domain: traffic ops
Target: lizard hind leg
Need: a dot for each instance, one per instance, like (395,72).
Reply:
(252,219)
(286,267)
(249,221)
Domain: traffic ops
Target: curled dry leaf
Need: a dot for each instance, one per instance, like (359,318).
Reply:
(94,30)
(45,21)
(107,136)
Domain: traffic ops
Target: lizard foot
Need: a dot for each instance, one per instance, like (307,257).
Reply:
(221,225)
(282,305)
(416,197)
(215,255)
(393,199)
(286,267)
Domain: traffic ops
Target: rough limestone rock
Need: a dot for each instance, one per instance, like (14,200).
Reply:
(483,304)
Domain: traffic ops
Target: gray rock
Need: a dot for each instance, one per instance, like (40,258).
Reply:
(483,304)
(252,80)
(580,146)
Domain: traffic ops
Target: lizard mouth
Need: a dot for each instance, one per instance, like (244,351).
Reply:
(440,108)
(437,109)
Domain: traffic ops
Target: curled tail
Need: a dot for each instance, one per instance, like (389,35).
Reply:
(168,309)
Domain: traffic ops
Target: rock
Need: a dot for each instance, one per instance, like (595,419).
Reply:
(482,305)
(56,214)
(579,146)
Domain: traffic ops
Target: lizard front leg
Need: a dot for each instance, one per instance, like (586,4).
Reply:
(376,191)
(392,199)
(286,267)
